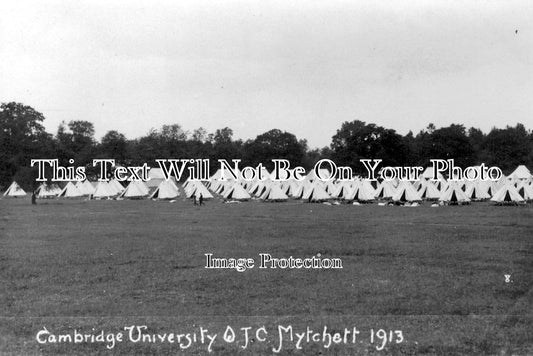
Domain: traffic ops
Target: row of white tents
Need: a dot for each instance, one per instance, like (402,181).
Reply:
(363,191)
(516,188)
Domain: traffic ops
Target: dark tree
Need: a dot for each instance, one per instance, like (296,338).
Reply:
(22,137)
(445,143)
(173,133)
(509,147)
(199,135)
(357,140)
(114,145)
(477,139)
(315,155)
(223,136)
(224,147)
(275,144)
(452,142)
(76,143)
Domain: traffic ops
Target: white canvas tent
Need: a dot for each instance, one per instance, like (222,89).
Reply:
(454,195)
(45,191)
(525,190)
(477,190)
(117,186)
(289,187)
(197,188)
(85,187)
(135,190)
(274,193)
(406,192)
(14,191)
(385,190)
(342,190)
(165,190)
(156,177)
(330,187)
(521,172)
(105,190)
(428,190)
(507,195)
(236,192)
(223,187)
(362,191)
(315,193)
(70,191)
(259,188)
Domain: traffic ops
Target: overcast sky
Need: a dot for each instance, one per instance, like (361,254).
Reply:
(300,66)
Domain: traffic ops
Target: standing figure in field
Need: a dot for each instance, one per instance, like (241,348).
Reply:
(201,199)
(194,199)
(33,198)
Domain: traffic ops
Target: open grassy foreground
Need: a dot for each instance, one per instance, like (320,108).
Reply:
(436,274)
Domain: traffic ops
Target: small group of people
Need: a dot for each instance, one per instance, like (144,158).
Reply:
(200,200)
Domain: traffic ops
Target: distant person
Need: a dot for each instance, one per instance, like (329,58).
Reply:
(33,198)
(201,199)
(194,199)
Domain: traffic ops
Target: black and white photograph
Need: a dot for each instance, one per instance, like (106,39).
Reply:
(247,177)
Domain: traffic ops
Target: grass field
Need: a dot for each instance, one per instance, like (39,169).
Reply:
(437,274)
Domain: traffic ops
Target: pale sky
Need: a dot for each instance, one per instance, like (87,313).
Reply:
(300,66)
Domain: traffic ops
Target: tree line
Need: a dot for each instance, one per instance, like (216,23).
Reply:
(23,137)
